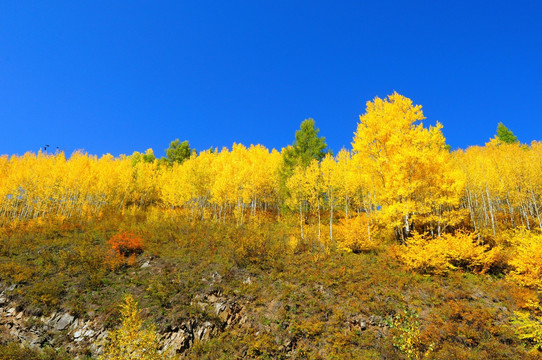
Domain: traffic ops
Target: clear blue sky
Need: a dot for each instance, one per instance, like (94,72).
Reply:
(118,76)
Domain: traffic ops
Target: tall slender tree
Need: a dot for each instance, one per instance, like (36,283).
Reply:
(306,147)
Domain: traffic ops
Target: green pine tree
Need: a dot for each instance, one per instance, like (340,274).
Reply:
(505,135)
(178,151)
(306,147)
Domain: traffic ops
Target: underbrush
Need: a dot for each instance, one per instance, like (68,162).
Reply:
(461,250)
(305,297)
(15,351)
(526,257)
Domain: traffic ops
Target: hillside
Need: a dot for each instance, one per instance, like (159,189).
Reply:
(398,248)
(218,291)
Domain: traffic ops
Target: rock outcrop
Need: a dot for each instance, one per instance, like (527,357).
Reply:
(80,336)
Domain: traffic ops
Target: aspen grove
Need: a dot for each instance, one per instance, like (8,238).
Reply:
(399,181)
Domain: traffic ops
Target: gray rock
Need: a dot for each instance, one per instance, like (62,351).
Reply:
(199,333)
(103,335)
(180,342)
(64,322)
(96,348)
(52,319)
(204,333)
(219,307)
(34,341)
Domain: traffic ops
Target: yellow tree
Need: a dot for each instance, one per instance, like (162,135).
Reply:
(5,187)
(268,185)
(295,185)
(200,176)
(239,179)
(223,191)
(132,341)
(145,178)
(407,164)
(314,190)
(330,178)
(503,185)
(306,189)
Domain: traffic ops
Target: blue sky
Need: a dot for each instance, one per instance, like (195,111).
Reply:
(115,77)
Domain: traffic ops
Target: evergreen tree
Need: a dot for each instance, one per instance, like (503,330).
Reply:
(307,146)
(505,135)
(178,151)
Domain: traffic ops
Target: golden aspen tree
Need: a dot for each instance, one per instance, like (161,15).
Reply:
(298,196)
(306,189)
(330,179)
(353,187)
(260,176)
(175,187)
(239,179)
(200,174)
(132,340)
(5,187)
(268,185)
(255,177)
(221,191)
(314,190)
(145,179)
(503,186)
(406,162)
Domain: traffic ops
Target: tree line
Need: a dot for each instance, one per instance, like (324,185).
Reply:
(398,173)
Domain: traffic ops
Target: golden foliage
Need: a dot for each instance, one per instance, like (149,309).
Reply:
(398,174)
(464,250)
(528,327)
(436,256)
(526,258)
(132,341)
(356,234)
(424,255)
(407,337)
(406,167)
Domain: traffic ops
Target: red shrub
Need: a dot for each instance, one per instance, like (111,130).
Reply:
(126,244)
